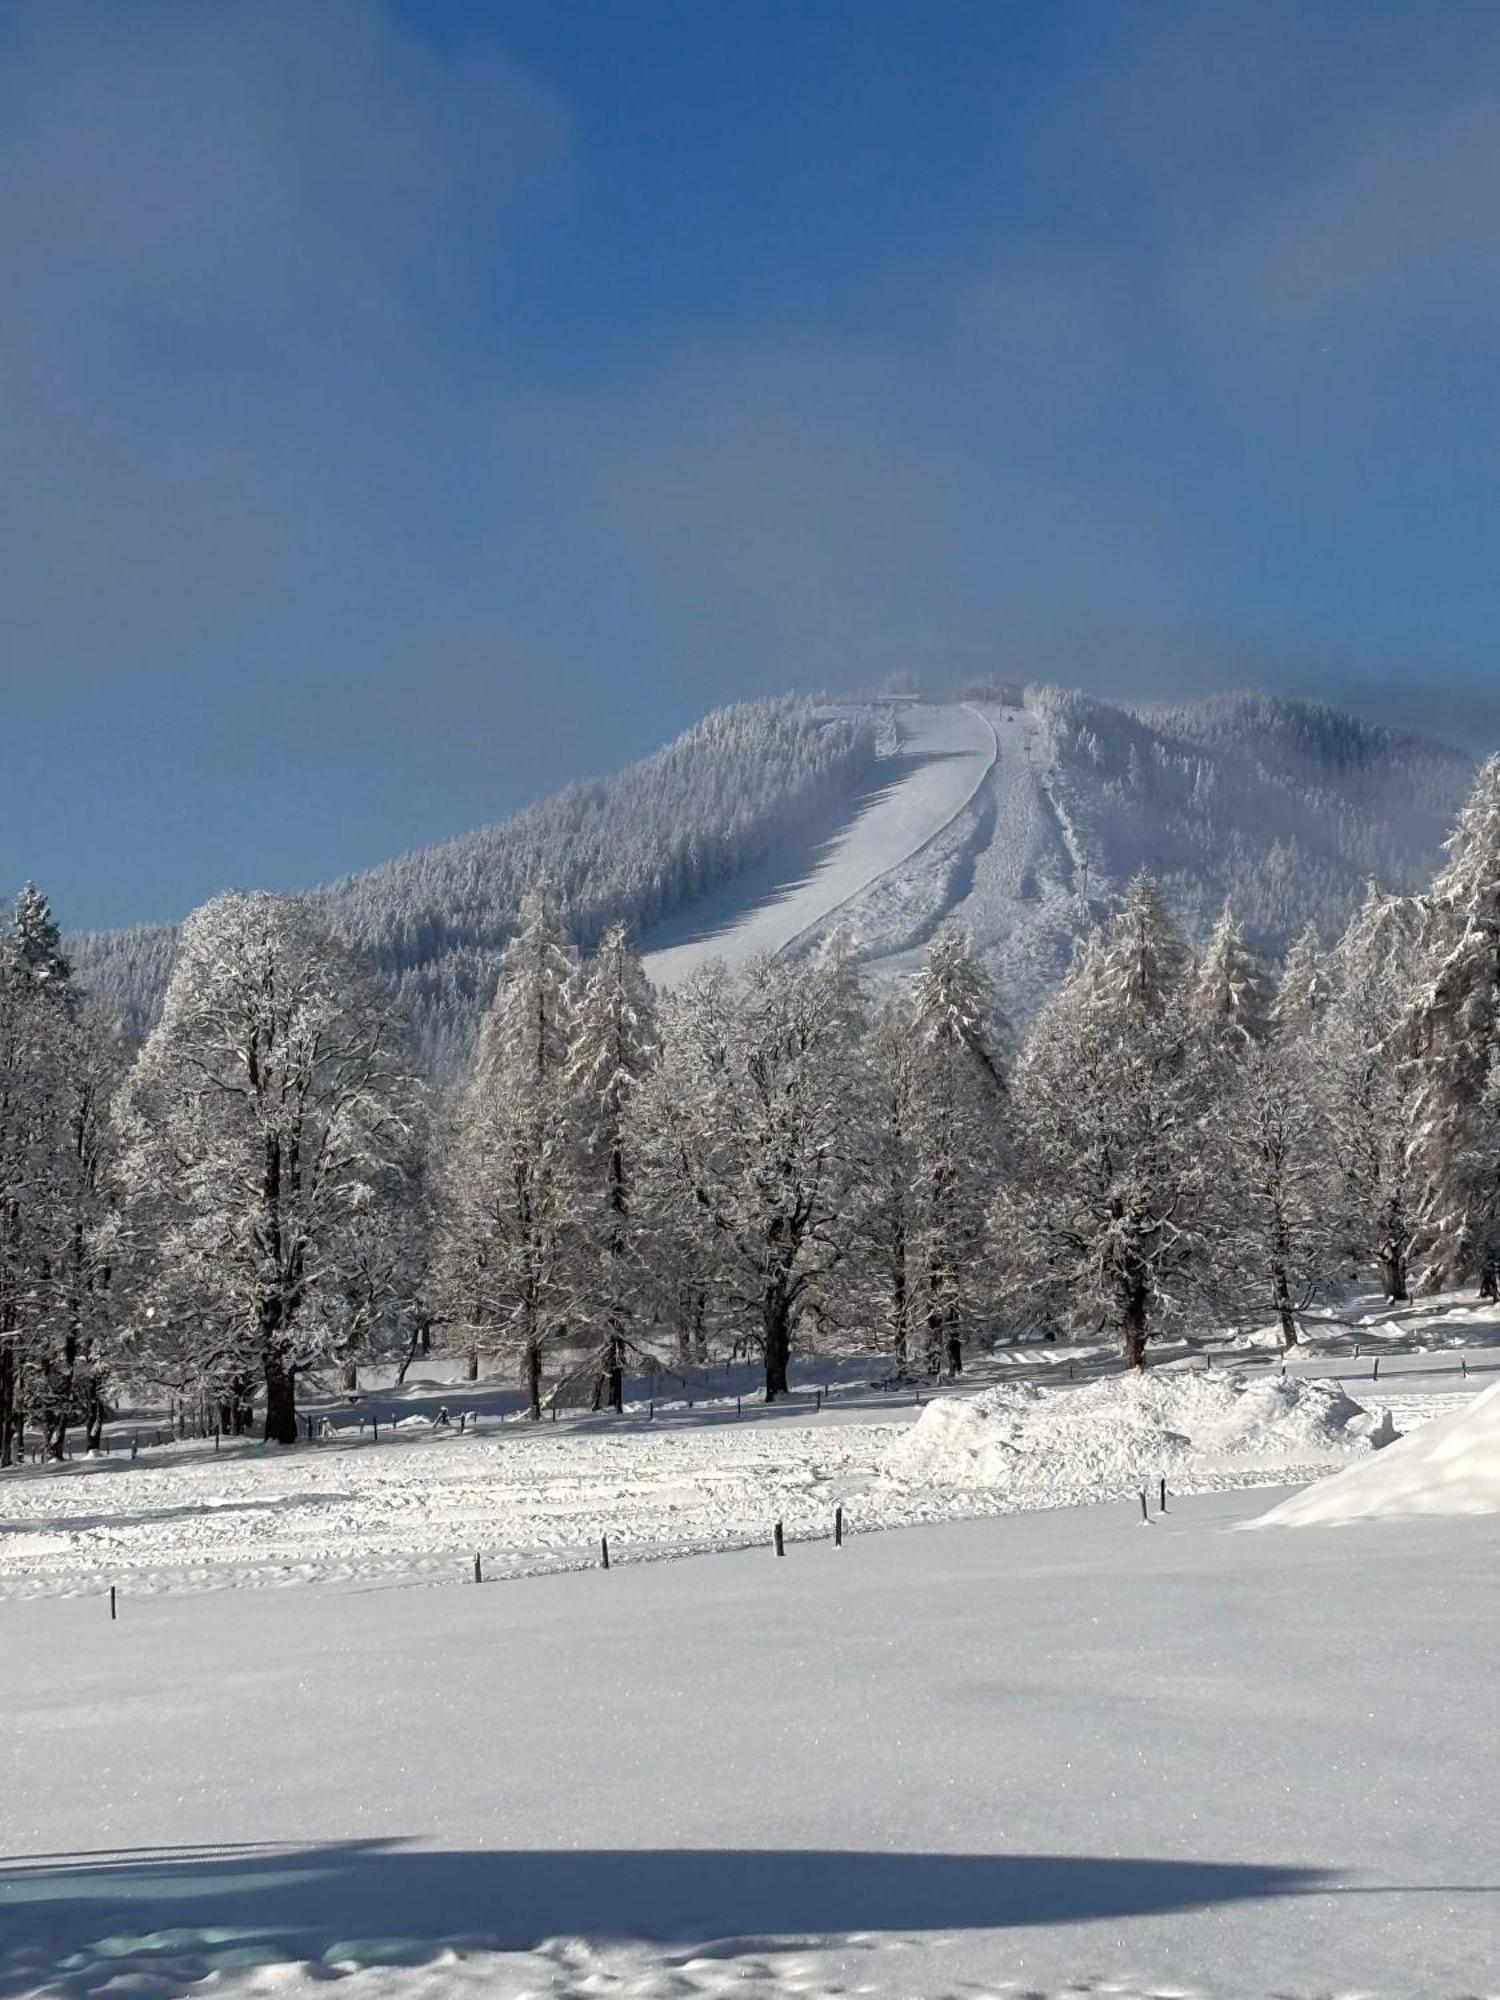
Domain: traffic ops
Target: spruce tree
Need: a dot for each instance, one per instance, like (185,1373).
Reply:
(1229,1000)
(1358,1051)
(509,1190)
(613,1049)
(1108,1218)
(958,1108)
(1455,1044)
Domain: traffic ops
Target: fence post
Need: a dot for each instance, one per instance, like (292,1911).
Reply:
(780,1540)
(111,1601)
(375,1426)
(838,1527)
(604,1552)
(1375,1371)
(1145,1510)
(478,1567)
(1164,1493)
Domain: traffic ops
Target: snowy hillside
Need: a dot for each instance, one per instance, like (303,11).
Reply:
(1285,808)
(767,825)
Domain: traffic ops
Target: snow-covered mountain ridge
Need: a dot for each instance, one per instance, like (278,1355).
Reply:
(1020,816)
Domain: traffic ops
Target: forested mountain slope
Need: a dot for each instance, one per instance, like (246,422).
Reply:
(1283,808)
(769,823)
(661,833)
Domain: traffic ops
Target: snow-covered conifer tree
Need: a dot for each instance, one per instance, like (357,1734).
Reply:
(1108,1216)
(889,1228)
(958,1111)
(753,1125)
(509,1191)
(1229,999)
(267,1121)
(613,1049)
(58,1064)
(1455,1030)
(1358,1054)
(1304,991)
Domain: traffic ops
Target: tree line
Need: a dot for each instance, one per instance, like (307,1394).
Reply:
(761,1163)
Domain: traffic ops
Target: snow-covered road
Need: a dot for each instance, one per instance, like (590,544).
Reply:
(946,751)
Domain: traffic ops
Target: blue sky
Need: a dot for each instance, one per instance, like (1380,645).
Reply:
(407,405)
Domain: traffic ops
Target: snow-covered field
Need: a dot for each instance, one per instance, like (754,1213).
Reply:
(1045,1750)
(423,1502)
(1049,1754)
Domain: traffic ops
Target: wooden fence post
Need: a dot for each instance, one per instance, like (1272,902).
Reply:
(780,1540)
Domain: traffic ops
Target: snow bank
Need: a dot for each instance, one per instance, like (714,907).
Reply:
(1057,1446)
(1450,1466)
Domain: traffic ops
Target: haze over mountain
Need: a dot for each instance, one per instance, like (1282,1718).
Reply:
(768,825)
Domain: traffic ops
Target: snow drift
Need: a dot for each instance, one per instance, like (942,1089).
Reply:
(1056,1446)
(1449,1466)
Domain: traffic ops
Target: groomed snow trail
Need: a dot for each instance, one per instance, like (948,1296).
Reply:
(946,752)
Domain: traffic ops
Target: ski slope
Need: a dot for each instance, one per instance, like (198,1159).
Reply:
(944,754)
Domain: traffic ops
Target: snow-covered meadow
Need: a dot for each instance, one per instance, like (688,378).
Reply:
(1047,1754)
(1045,1751)
(414,1497)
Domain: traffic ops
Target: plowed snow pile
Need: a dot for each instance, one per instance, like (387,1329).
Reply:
(1053,1447)
(1450,1466)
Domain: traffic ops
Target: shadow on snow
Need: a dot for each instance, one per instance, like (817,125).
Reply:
(84,1919)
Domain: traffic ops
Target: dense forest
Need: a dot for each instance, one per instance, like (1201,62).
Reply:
(631,848)
(1284,808)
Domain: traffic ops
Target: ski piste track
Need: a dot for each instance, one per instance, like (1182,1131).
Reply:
(944,753)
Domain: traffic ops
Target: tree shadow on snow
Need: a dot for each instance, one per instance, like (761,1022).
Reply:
(76,1921)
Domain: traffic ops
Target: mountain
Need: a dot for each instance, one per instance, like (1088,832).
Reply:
(1020,815)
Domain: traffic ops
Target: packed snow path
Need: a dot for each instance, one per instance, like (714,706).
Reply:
(945,753)
(1050,1755)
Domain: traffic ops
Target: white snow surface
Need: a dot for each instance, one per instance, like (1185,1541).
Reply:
(1054,1754)
(1450,1466)
(1047,1447)
(424,1501)
(943,754)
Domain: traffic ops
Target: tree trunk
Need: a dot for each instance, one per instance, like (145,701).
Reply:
(1393,1272)
(351,1375)
(533,1367)
(420,1337)
(614,1375)
(776,1321)
(281,1397)
(7,1399)
(1283,1297)
(1133,1346)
